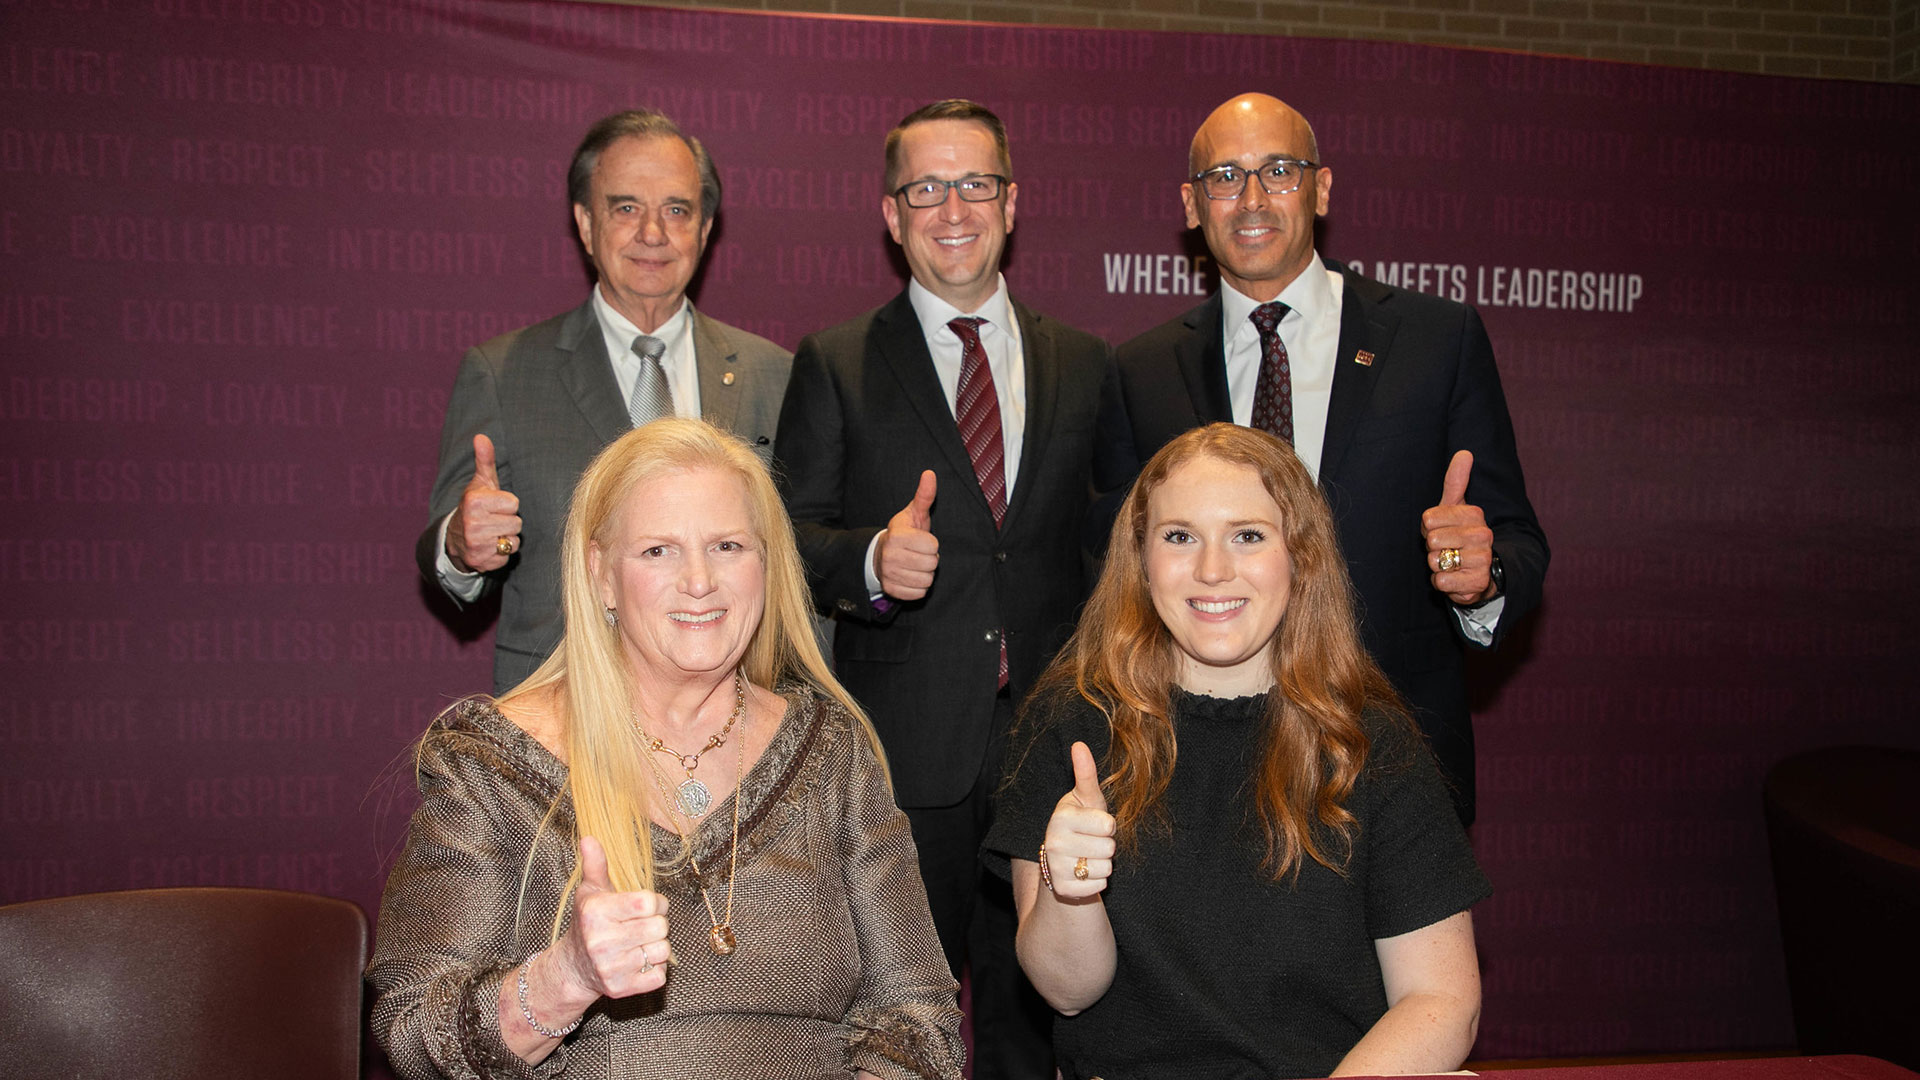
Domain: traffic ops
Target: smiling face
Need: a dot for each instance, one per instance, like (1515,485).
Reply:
(1218,573)
(1260,241)
(953,248)
(642,226)
(682,567)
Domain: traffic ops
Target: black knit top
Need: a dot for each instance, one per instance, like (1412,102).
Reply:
(1221,971)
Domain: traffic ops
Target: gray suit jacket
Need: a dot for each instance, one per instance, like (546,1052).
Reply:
(547,397)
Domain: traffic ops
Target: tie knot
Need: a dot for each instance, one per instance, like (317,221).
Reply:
(1268,315)
(967,327)
(649,347)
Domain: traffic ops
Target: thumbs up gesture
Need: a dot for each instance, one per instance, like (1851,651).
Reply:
(1079,848)
(1459,544)
(907,555)
(485,529)
(616,945)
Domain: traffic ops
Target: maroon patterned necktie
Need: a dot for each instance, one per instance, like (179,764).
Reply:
(977,408)
(1273,393)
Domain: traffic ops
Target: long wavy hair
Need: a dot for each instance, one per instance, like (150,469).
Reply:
(606,760)
(1124,661)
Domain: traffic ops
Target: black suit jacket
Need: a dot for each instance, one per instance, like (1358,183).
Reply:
(1392,426)
(864,415)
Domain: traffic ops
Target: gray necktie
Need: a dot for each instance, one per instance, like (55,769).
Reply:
(652,398)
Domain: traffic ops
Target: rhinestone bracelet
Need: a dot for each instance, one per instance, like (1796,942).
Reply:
(527,1010)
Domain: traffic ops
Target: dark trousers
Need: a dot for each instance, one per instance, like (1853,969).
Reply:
(973,913)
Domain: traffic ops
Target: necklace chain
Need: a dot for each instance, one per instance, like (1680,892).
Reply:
(695,797)
(721,938)
(691,761)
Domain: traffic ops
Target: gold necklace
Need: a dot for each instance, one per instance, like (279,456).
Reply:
(721,938)
(696,798)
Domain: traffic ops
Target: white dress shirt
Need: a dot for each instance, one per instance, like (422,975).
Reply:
(1006,360)
(1311,333)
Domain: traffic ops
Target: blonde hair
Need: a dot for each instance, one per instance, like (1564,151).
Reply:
(1123,660)
(607,773)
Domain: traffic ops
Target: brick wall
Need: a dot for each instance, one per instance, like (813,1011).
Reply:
(1842,39)
(1906,41)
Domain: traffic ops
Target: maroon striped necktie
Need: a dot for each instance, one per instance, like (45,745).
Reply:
(977,408)
(1273,392)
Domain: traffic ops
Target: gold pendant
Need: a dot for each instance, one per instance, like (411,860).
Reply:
(722,940)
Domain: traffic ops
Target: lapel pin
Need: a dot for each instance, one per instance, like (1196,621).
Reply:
(1363,358)
(726,378)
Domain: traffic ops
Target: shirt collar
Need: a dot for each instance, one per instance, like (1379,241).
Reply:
(622,330)
(935,313)
(1310,295)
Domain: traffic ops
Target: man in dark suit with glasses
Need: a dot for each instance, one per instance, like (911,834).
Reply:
(1388,396)
(937,455)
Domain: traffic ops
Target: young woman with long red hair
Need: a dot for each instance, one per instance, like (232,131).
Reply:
(1231,853)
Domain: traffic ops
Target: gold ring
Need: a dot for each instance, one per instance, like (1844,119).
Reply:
(503,545)
(1080,868)
(1449,559)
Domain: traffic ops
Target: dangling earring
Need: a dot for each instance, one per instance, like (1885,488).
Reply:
(612,617)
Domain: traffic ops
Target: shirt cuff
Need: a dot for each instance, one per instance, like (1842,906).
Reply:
(874,591)
(1480,622)
(460,584)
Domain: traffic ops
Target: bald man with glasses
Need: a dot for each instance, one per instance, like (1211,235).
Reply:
(1389,397)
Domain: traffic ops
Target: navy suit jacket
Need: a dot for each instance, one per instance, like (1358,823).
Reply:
(1392,426)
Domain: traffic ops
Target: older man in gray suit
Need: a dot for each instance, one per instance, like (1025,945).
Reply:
(530,409)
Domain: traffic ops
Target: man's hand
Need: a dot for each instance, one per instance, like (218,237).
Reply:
(485,517)
(907,555)
(1459,544)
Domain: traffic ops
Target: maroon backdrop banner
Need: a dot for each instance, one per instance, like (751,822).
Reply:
(244,244)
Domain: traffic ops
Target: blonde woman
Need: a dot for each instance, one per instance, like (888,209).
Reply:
(672,851)
(1231,854)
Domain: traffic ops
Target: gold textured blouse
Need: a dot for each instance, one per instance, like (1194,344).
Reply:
(838,967)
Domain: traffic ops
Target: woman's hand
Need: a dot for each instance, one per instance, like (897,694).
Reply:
(616,945)
(1065,942)
(1079,847)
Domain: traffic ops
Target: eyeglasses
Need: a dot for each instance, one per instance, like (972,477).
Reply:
(1281,176)
(981,187)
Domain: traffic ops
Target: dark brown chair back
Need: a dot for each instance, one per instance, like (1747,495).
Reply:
(1844,827)
(182,983)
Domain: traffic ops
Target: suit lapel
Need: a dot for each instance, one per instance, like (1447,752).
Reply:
(902,347)
(1043,394)
(587,374)
(1362,326)
(721,384)
(1202,358)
